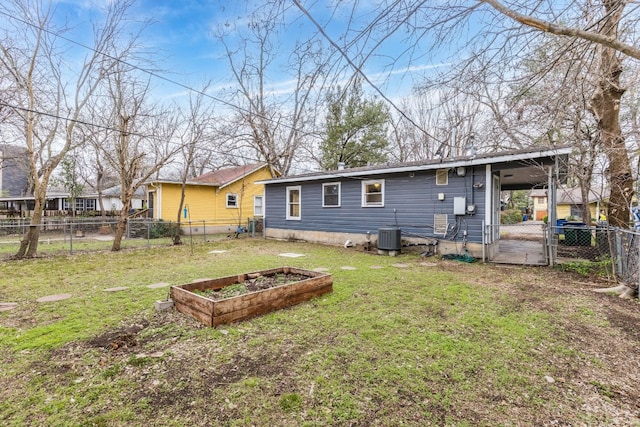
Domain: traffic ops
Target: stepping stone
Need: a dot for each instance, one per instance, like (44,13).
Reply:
(158,285)
(348,267)
(291,255)
(428,264)
(320,269)
(376,267)
(51,298)
(400,265)
(217,251)
(116,289)
(6,306)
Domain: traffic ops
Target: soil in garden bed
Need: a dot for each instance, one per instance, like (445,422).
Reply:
(252,285)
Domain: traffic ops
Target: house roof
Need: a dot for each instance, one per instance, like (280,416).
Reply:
(219,178)
(571,196)
(224,177)
(526,160)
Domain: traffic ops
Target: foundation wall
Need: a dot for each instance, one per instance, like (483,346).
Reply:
(443,246)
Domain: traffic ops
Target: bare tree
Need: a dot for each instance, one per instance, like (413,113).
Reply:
(46,105)
(269,124)
(195,130)
(139,143)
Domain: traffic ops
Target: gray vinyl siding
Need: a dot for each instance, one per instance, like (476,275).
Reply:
(410,202)
(13,168)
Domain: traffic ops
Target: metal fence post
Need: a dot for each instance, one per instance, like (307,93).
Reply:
(484,241)
(70,238)
(148,234)
(618,239)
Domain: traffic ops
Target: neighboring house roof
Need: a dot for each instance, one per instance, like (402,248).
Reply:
(116,192)
(573,196)
(570,196)
(523,155)
(224,177)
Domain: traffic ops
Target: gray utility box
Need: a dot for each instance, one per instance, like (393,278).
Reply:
(390,239)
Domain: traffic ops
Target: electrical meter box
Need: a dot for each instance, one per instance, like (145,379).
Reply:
(459,205)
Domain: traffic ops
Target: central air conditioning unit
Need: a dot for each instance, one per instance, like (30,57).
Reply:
(390,239)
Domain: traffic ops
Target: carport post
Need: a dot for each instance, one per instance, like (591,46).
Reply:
(551,215)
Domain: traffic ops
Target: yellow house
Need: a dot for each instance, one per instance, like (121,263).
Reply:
(218,201)
(568,204)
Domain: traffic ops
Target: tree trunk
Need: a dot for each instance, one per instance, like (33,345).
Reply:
(585,210)
(176,232)
(605,105)
(29,243)
(121,226)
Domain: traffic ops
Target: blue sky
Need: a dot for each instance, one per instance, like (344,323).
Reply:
(181,40)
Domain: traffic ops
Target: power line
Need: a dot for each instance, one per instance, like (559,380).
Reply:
(81,122)
(149,72)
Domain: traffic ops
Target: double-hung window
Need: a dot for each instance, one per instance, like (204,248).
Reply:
(331,195)
(294,204)
(373,193)
(232,200)
(257,206)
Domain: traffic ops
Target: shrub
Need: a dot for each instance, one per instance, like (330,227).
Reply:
(162,229)
(512,216)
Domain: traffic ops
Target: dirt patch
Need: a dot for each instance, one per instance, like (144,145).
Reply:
(253,284)
(121,338)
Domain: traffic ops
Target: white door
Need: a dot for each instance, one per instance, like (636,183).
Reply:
(495,208)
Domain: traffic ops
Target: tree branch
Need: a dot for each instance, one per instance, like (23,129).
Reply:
(547,27)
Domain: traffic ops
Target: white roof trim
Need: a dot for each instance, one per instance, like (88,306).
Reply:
(431,166)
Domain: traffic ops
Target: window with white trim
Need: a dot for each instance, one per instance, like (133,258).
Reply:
(90,204)
(442,177)
(373,193)
(232,200)
(331,195)
(257,206)
(294,204)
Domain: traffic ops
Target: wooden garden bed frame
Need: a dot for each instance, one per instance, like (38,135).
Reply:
(217,312)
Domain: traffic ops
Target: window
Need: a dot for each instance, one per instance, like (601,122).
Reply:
(232,200)
(79,204)
(373,193)
(293,202)
(257,206)
(442,177)
(90,204)
(331,195)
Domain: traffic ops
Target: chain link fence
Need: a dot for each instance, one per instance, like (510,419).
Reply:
(536,243)
(621,247)
(71,235)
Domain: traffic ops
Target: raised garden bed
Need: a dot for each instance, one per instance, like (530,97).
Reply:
(234,298)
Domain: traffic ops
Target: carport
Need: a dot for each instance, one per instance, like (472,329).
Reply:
(528,242)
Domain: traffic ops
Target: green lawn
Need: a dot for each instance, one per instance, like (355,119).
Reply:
(436,343)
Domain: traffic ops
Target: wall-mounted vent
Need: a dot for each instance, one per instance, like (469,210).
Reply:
(389,239)
(440,224)
(442,177)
